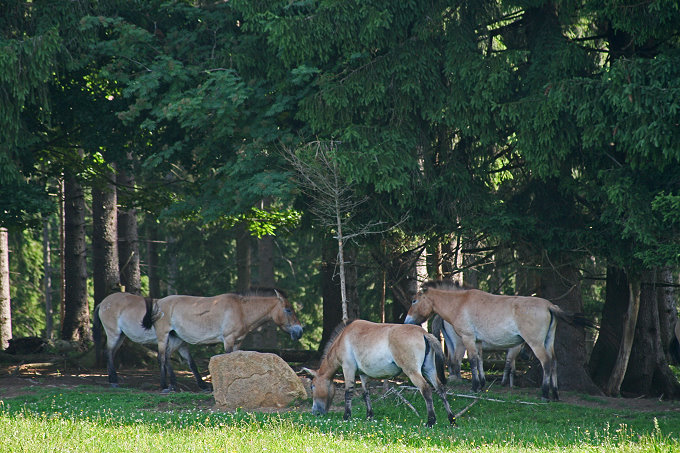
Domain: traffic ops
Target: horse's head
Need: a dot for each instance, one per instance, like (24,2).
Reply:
(421,309)
(323,391)
(284,316)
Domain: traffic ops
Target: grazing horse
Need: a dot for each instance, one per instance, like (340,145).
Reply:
(225,319)
(120,314)
(456,351)
(505,321)
(379,351)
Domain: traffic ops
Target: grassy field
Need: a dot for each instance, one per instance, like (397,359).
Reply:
(96,419)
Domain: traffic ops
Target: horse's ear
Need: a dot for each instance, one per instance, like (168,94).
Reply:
(310,372)
(278,295)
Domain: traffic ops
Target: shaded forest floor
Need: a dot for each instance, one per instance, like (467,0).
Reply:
(24,376)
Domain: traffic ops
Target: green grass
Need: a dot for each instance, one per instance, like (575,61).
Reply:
(93,419)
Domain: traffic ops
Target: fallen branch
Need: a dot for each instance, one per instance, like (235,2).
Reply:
(402,399)
(467,408)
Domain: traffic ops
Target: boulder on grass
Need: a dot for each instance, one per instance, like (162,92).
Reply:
(253,380)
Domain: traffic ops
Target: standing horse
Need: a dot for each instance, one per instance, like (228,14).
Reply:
(505,321)
(119,314)
(225,319)
(456,351)
(379,351)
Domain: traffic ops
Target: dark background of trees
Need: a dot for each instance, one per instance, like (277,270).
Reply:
(526,147)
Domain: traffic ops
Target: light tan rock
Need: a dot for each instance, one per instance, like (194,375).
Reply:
(253,380)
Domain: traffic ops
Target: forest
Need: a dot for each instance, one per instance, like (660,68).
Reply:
(347,152)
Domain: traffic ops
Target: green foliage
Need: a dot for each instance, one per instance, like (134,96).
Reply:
(26,278)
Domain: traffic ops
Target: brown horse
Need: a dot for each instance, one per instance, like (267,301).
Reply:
(225,319)
(120,314)
(505,321)
(456,351)
(379,351)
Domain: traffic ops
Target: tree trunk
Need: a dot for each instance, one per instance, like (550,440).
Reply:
(606,347)
(62,253)
(105,275)
(76,326)
(651,374)
(173,267)
(5,306)
(613,385)
(668,314)
(243,253)
(128,238)
(266,336)
(47,279)
(330,291)
(352,282)
(265,258)
(152,241)
(265,255)
(561,285)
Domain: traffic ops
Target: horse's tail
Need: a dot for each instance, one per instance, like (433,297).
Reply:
(436,326)
(432,345)
(151,314)
(576,319)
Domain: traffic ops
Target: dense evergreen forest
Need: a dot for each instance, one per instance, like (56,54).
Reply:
(201,147)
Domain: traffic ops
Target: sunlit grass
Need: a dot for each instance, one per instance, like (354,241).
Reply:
(92,419)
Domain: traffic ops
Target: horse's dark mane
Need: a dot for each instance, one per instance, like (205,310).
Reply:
(334,336)
(257,291)
(449,285)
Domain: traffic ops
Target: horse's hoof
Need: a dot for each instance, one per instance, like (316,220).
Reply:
(167,390)
(114,385)
(207,390)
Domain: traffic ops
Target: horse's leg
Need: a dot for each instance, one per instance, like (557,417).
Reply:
(229,344)
(473,357)
(509,370)
(425,390)
(112,348)
(430,373)
(367,398)
(553,373)
(349,373)
(480,367)
(163,359)
(543,356)
(174,343)
(183,350)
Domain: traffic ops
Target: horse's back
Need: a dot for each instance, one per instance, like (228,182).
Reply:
(199,319)
(382,350)
(500,321)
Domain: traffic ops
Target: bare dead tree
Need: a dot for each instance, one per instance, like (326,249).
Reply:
(334,200)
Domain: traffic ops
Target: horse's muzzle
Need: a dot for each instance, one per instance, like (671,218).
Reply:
(410,320)
(295,332)
(318,408)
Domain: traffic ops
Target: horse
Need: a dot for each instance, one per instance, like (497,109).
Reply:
(505,321)
(119,314)
(226,318)
(456,350)
(379,351)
